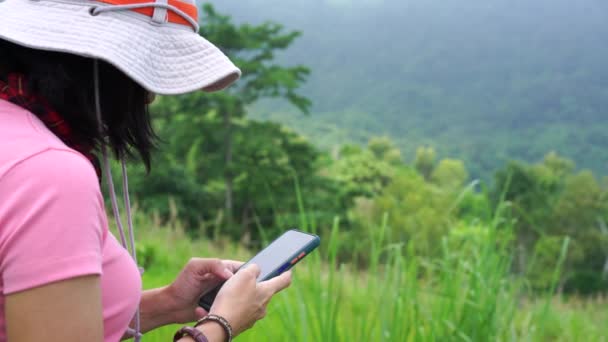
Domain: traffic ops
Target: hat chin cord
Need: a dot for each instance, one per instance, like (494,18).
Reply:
(135,332)
(157,5)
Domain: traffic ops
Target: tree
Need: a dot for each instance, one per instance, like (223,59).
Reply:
(425,161)
(531,192)
(269,160)
(417,212)
(578,213)
(558,165)
(383,148)
(253,49)
(365,172)
(550,202)
(449,173)
(547,252)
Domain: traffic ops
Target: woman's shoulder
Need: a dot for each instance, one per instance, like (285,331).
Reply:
(23,136)
(58,176)
(55,167)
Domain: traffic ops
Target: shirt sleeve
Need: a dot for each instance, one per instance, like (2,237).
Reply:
(52,221)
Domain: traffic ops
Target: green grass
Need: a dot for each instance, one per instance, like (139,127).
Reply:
(467,294)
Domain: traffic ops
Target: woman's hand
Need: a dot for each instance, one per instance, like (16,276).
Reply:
(242,301)
(197,277)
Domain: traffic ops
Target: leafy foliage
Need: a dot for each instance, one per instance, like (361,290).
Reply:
(481,81)
(549,201)
(220,172)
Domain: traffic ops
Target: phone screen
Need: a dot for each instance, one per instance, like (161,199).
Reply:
(279,256)
(276,255)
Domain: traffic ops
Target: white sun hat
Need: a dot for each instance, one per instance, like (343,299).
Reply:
(155,42)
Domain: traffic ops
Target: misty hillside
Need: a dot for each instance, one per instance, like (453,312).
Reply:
(483,80)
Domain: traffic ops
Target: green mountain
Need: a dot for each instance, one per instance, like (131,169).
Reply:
(481,80)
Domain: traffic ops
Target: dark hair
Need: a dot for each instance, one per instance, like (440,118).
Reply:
(66,82)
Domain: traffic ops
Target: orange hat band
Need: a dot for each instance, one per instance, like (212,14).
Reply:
(172,17)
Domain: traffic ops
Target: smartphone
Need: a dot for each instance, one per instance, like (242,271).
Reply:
(281,255)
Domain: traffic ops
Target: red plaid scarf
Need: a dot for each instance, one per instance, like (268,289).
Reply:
(15,90)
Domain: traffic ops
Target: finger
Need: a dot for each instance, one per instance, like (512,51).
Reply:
(211,283)
(200,313)
(202,267)
(233,265)
(277,284)
(209,277)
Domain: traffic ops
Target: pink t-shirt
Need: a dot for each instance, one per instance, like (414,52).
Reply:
(53,224)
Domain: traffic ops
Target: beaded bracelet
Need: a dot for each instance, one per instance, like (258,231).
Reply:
(196,334)
(219,319)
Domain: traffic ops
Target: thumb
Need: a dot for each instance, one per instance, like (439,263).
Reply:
(278,283)
(253,269)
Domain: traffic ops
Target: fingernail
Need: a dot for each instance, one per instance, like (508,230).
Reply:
(227,273)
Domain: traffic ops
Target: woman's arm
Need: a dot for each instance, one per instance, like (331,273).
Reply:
(51,243)
(68,310)
(156,309)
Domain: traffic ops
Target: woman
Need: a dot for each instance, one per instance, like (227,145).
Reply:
(75,79)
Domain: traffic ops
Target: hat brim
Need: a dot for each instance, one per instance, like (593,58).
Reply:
(166,59)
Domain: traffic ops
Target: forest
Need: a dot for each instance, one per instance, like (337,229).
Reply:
(436,161)
(482,81)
